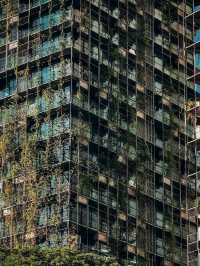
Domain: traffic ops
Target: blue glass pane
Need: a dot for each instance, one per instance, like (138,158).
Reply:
(197,88)
(42,104)
(4,93)
(45,75)
(12,86)
(44,22)
(44,130)
(35,24)
(197,35)
(197,61)
(66,123)
(196,8)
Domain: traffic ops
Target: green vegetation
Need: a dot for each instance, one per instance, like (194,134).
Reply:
(61,256)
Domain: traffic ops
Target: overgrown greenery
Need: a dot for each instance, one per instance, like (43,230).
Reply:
(61,256)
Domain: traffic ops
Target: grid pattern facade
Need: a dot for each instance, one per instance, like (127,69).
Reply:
(192,119)
(94,127)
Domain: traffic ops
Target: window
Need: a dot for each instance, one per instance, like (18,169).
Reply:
(42,104)
(83,215)
(13,34)
(44,22)
(42,219)
(35,79)
(159,219)
(55,17)
(56,99)
(22,83)
(44,131)
(103,197)
(67,93)
(93,218)
(66,122)
(4,93)
(40,158)
(53,184)
(132,233)
(35,24)
(45,75)
(103,222)
(132,207)
(12,86)
(159,246)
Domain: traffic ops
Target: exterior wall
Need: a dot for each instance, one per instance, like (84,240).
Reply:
(96,91)
(192,118)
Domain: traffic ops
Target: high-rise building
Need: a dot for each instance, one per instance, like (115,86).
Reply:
(99,127)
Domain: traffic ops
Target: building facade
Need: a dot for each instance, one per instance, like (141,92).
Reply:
(192,100)
(99,127)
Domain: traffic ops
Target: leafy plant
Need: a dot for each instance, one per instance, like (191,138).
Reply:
(60,256)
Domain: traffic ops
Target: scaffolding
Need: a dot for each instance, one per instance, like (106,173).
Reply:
(93,92)
(192,118)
